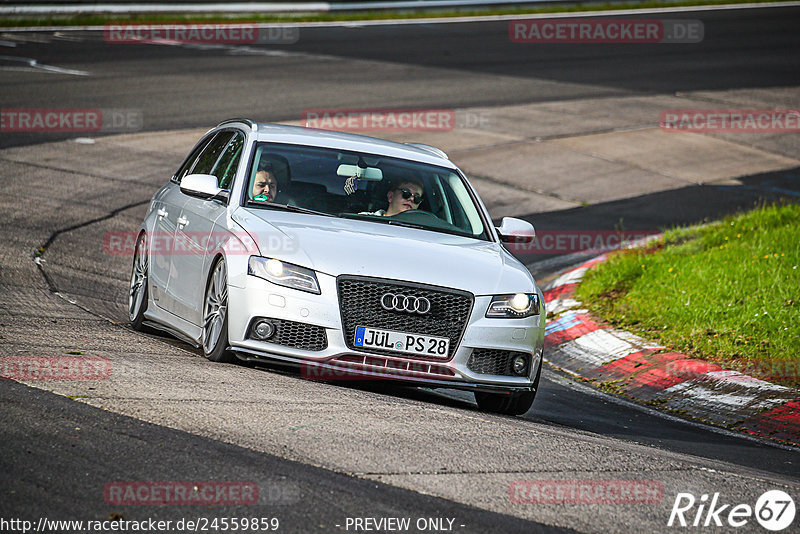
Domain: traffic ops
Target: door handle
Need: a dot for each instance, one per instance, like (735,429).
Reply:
(162,212)
(183,221)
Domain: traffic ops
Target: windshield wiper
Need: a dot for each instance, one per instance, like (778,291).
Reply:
(295,209)
(409,225)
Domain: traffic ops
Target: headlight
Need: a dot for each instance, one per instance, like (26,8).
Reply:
(517,306)
(284,274)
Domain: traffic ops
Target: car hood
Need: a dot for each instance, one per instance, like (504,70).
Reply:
(345,246)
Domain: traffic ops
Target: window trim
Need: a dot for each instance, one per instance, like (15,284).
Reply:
(216,160)
(236,132)
(196,150)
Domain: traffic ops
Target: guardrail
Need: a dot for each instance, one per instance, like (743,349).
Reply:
(44,7)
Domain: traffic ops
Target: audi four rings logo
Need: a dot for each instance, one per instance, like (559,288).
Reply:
(404,303)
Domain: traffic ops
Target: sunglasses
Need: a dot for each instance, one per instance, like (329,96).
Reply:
(408,194)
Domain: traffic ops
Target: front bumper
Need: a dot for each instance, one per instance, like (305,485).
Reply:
(336,361)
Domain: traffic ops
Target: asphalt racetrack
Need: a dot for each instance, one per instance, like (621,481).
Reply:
(325,454)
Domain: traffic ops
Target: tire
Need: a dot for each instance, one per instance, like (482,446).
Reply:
(137,291)
(215,316)
(514,404)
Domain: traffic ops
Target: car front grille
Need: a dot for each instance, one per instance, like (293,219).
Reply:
(298,335)
(360,305)
(493,361)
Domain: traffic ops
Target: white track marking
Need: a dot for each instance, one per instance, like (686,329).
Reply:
(31,65)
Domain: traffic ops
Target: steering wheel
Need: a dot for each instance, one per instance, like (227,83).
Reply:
(425,218)
(417,216)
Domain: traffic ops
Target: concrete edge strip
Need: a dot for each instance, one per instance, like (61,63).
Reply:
(626,364)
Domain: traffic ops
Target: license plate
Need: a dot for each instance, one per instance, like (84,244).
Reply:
(432,346)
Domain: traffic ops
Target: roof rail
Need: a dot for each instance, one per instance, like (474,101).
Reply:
(252,124)
(432,149)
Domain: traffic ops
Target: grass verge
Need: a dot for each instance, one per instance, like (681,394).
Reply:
(55,20)
(728,292)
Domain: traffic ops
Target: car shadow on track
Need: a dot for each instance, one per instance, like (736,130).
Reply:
(380,387)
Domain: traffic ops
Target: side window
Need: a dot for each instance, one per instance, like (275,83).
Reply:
(465,215)
(190,161)
(211,153)
(226,166)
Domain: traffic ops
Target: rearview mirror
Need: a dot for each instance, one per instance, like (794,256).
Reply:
(513,230)
(372,174)
(202,186)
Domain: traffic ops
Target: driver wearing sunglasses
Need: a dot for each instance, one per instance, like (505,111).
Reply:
(406,196)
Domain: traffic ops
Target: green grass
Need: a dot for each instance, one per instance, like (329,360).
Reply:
(728,292)
(101,19)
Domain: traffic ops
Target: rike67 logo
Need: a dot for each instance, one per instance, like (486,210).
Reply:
(774,510)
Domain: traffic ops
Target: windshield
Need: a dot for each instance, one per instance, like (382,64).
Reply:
(368,187)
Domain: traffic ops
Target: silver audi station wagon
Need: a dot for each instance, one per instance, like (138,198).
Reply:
(347,255)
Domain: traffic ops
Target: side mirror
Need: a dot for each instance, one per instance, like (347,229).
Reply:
(202,186)
(513,230)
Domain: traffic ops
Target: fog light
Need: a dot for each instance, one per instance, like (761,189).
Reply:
(263,330)
(520,365)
